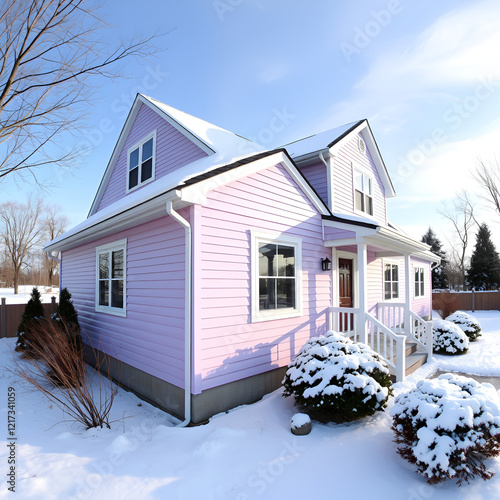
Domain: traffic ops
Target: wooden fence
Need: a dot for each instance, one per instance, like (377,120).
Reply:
(471,301)
(10,316)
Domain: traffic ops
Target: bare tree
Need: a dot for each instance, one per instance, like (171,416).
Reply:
(461,215)
(50,53)
(20,232)
(488,177)
(54,224)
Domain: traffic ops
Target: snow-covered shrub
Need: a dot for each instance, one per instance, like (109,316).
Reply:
(337,380)
(469,325)
(449,338)
(447,426)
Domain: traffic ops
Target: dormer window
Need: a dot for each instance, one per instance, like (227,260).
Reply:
(141,162)
(363,193)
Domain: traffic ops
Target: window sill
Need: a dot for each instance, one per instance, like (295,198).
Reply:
(259,317)
(112,311)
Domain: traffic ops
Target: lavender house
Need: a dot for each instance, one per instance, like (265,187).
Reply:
(206,262)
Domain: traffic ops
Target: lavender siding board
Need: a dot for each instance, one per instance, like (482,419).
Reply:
(316,175)
(332,233)
(151,337)
(173,150)
(228,346)
(421,305)
(374,282)
(348,158)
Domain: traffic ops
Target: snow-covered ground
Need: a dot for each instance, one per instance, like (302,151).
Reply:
(24,294)
(246,453)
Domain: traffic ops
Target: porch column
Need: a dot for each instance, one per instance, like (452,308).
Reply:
(362,292)
(407,329)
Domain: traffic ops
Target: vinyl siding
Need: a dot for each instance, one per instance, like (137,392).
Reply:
(421,305)
(173,150)
(228,345)
(346,159)
(316,175)
(151,337)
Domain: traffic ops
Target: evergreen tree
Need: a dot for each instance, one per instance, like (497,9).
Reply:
(32,312)
(439,275)
(484,270)
(66,310)
(67,317)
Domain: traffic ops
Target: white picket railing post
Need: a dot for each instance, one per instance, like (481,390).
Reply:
(400,360)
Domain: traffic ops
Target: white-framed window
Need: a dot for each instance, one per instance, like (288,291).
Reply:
(363,192)
(276,276)
(111,278)
(419,282)
(141,162)
(391,281)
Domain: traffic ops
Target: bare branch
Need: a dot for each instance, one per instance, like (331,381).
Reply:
(51,55)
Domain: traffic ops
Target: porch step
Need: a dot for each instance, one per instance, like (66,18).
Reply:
(415,359)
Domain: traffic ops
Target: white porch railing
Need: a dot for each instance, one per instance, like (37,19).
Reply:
(344,320)
(387,344)
(386,335)
(392,315)
(363,327)
(421,333)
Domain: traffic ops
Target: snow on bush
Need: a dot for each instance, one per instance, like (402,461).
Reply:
(337,380)
(469,325)
(447,426)
(449,338)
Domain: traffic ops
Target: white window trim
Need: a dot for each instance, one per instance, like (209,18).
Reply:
(355,210)
(419,296)
(115,245)
(397,263)
(153,170)
(280,239)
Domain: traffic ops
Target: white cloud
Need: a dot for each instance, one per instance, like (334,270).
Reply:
(458,48)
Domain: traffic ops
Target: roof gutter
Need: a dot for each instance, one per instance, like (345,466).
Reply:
(187,312)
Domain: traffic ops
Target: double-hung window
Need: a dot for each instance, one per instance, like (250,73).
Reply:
(419,282)
(111,278)
(276,265)
(141,162)
(363,193)
(391,281)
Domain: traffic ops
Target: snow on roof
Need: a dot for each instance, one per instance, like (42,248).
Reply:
(218,139)
(317,142)
(169,182)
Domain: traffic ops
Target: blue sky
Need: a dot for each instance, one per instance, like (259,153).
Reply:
(425,74)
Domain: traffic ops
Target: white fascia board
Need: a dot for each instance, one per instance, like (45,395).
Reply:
(114,155)
(139,214)
(139,99)
(364,129)
(342,242)
(197,193)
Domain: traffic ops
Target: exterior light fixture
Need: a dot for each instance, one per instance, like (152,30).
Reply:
(326,264)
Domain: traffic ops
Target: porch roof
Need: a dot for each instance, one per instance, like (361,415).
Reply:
(383,240)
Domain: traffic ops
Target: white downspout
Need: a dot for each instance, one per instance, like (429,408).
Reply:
(187,319)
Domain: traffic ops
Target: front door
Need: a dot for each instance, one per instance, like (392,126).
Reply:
(345,294)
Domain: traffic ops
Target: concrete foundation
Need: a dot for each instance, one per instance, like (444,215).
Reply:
(171,398)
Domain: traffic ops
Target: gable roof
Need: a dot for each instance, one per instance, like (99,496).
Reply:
(318,142)
(149,202)
(332,139)
(218,143)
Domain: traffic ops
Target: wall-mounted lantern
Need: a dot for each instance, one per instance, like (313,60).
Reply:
(326,264)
